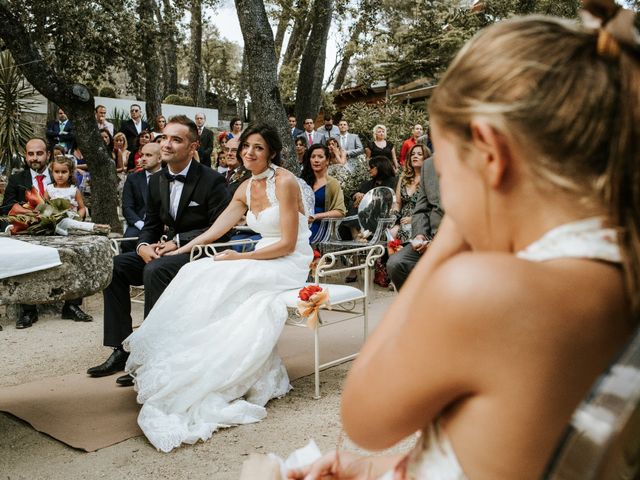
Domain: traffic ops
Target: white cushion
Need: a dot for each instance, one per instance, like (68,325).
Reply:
(337,294)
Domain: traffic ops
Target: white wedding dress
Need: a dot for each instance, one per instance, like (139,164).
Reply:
(204,357)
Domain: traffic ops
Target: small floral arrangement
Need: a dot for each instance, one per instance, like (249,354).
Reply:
(311,298)
(394,246)
(38,216)
(314,262)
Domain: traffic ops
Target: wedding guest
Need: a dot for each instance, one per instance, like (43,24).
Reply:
(236,173)
(101,119)
(530,290)
(425,220)
(235,129)
(181,219)
(380,147)
(133,127)
(143,139)
(328,194)
(205,139)
(61,132)
(159,125)
(62,170)
(135,194)
(337,156)
(301,147)
(121,153)
(407,191)
(416,132)
(37,174)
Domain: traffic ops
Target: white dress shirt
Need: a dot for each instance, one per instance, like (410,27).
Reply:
(176,191)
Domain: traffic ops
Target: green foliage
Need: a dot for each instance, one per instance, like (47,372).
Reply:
(179,100)
(117,117)
(80,40)
(109,92)
(398,118)
(16,97)
(419,39)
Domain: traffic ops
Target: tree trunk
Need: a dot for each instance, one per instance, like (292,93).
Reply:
(283,23)
(152,84)
(309,90)
(170,49)
(77,101)
(299,35)
(196,88)
(352,44)
(242,87)
(262,75)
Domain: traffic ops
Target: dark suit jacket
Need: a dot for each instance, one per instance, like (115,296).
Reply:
(295,133)
(427,212)
(129,129)
(134,197)
(68,136)
(206,147)
(204,196)
(17,185)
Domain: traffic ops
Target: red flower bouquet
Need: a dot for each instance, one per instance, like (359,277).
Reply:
(394,246)
(311,298)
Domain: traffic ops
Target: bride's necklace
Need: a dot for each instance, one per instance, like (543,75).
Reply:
(267,173)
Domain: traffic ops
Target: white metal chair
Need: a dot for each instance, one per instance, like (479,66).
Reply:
(342,299)
(602,440)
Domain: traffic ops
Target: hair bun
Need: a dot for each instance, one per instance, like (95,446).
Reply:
(616,26)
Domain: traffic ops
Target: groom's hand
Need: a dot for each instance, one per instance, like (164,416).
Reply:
(148,252)
(166,247)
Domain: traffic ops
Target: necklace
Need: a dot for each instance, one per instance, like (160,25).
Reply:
(268,173)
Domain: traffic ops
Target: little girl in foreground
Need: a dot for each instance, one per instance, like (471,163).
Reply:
(531,286)
(63,186)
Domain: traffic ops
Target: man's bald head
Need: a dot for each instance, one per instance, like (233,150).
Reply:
(150,156)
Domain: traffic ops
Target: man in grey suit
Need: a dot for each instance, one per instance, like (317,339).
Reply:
(424,224)
(309,134)
(349,142)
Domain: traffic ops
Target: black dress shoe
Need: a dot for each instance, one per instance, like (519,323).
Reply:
(115,363)
(75,313)
(27,319)
(125,380)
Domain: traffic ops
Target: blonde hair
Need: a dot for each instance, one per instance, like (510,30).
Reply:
(64,160)
(384,129)
(541,81)
(118,135)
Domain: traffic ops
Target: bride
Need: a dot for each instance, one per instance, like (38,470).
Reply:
(204,357)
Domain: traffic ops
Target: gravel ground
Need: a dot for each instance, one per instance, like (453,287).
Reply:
(54,347)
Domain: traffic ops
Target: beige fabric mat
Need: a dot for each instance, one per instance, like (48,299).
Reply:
(93,413)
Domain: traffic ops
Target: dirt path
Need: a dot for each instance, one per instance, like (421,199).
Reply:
(54,347)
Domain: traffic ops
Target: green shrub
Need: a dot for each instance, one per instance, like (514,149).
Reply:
(108,92)
(174,99)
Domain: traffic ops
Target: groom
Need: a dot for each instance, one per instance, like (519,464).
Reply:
(183,201)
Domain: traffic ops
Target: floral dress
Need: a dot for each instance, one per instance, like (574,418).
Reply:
(408,204)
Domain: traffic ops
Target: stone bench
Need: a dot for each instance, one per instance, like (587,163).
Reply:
(86,269)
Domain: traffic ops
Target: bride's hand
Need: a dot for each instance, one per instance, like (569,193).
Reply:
(227,255)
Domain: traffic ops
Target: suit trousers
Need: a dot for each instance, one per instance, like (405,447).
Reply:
(67,303)
(401,263)
(129,269)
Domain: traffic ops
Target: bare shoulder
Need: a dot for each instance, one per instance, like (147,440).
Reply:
(286,182)
(494,294)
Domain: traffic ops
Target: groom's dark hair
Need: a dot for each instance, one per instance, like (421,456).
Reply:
(270,135)
(187,122)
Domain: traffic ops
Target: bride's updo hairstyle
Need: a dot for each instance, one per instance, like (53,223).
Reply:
(570,96)
(270,135)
